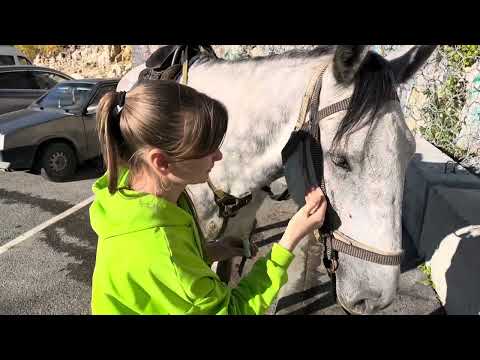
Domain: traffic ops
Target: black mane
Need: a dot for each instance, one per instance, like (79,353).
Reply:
(374,86)
(318,51)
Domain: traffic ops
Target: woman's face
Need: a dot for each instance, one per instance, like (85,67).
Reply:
(195,171)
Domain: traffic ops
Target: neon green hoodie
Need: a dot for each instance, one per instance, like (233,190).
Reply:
(150,260)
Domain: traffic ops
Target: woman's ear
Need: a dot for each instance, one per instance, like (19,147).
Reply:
(158,161)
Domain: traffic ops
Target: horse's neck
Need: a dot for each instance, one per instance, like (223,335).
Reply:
(263,99)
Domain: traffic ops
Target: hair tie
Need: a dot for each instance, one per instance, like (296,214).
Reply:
(120,101)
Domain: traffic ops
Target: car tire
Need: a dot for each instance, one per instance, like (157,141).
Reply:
(99,164)
(58,162)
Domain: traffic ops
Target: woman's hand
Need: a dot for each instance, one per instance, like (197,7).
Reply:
(307,219)
(227,248)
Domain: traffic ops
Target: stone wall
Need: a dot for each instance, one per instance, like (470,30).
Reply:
(90,61)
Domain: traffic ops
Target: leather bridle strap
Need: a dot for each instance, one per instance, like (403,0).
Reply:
(344,244)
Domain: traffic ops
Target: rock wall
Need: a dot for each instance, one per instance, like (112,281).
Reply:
(90,61)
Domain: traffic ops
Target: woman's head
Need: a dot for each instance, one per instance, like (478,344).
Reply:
(164,130)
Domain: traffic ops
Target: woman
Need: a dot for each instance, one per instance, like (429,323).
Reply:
(155,140)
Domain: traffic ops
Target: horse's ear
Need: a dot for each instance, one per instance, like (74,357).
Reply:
(404,66)
(347,61)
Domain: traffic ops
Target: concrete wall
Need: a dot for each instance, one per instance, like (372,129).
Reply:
(441,203)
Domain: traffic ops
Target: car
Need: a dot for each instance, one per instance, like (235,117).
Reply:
(10,55)
(55,133)
(21,85)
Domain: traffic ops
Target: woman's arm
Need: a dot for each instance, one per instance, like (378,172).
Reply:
(209,295)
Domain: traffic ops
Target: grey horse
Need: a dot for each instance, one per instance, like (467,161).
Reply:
(366,148)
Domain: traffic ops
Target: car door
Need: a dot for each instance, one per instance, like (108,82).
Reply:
(90,121)
(18,89)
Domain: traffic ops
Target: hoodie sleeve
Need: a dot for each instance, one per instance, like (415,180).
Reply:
(209,295)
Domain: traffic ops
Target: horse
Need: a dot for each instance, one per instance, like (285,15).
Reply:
(366,147)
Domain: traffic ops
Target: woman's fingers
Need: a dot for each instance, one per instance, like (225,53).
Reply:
(318,216)
(313,199)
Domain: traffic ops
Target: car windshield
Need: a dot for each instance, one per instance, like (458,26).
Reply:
(66,96)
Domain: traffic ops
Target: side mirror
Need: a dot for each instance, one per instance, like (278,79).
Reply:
(91,110)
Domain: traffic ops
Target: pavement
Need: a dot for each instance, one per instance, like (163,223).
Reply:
(50,271)
(414,297)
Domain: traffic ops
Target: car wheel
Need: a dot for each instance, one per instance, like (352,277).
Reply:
(58,162)
(98,164)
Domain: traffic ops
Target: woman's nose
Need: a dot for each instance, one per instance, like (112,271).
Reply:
(218,155)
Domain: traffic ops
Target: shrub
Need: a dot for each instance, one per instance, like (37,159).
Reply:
(445,103)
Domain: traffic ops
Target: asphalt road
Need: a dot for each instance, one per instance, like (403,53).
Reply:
(414,298)
(50,272)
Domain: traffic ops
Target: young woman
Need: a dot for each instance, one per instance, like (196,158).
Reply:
(156,139)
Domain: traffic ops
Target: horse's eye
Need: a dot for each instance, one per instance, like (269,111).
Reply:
(340,161)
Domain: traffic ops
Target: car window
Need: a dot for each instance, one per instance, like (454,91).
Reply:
(66,97)
(46,80)
(102,91)
(17,80)
(24,61)
(7,60)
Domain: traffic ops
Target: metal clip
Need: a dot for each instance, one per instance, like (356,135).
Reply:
(230,205)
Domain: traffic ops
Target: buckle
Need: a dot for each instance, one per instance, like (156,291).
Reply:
(229,205)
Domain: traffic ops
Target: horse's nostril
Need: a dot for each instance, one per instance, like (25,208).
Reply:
(366,304)
(360,306)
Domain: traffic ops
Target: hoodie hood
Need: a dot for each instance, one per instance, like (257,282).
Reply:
(128,211)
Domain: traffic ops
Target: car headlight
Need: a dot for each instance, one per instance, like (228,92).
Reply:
(2,137)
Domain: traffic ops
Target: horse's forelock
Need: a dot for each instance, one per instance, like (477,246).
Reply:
(374,86)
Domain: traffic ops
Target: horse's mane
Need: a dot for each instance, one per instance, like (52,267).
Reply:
(374,84)
(318,51)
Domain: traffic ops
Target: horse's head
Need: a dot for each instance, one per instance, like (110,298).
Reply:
(366,152)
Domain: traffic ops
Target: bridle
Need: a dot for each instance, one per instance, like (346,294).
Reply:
(333,241)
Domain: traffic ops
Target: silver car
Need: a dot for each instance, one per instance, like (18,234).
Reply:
(56,132)
(10,55)
(21,85)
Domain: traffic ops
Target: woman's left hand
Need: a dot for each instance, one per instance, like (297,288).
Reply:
(227,248)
